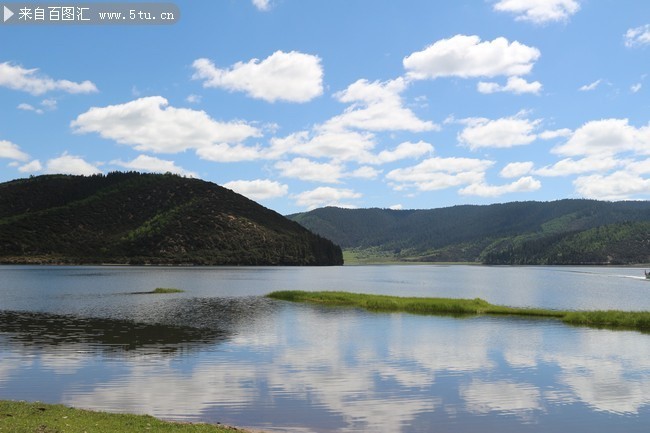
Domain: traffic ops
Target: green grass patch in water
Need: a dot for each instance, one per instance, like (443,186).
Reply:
(448,306)
(166,290)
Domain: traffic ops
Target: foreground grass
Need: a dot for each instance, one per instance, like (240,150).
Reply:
(20,417)
(447,306)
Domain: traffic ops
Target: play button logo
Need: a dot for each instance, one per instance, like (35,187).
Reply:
(7,13)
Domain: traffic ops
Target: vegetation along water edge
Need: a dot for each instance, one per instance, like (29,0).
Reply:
(23,417)
(612,319)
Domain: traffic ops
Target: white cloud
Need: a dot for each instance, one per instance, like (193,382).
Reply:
(69,164)
(590,164)
(365,172)
(539,11)
(193,99)
(405,150)
(636,87)
(150,124)
(637,36)
(258,189)
(637,167)
(304,169)
(28,80)
(31,167)
(499,133)
(10,150)
(396,207)
(325,196)
(343,146)
(591,86)
(50,104)
(28,107)
(516,169)
(377,106)
(224,152)
(550,135)
(482,189)
(293,77)
(439,173)
(606,137)
(516,85)
(619,185)
(337,145)
(263,5)
(153,164)
(466,56)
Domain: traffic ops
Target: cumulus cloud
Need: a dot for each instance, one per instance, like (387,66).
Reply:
(619,185)
(500,133)
(365,172)
(606,137)
(69,164)
(29,80)
(466,56)
(404,150)
(439,173)
(635,87)
(31,167)
(337,145)
(10,150)
(637,36)
(590,164)
(516,169)
(193,99)
(552,134)
(516,85)
(224,152)
(538,11)
(595,149)
(28,107)
(377,106)
(304,169)
(150,124)
(482,189)
(155,165)
(258,189)
(263,5)
(292,77)
(326,196)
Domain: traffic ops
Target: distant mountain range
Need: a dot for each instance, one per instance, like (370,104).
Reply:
(558,232)
(147,219)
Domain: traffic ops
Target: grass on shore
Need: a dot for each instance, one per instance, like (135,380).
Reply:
(447,306)
(21,417)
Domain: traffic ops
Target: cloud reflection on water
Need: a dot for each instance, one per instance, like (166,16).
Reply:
(321,369)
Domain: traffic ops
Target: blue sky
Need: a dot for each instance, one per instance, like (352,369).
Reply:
(304,103)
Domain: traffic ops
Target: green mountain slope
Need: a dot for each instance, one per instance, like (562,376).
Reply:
(512,233)
(147,218)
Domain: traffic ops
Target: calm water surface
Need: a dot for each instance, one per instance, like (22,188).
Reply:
(220,352)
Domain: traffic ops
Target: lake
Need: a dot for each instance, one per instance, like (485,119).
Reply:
(221,352)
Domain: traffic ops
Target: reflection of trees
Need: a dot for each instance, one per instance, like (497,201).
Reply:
(43,330)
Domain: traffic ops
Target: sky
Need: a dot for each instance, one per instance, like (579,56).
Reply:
(300,104)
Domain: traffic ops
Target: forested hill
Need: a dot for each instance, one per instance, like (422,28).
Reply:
(559,232)
(147,219)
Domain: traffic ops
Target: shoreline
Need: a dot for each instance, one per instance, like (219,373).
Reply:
(46,417)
